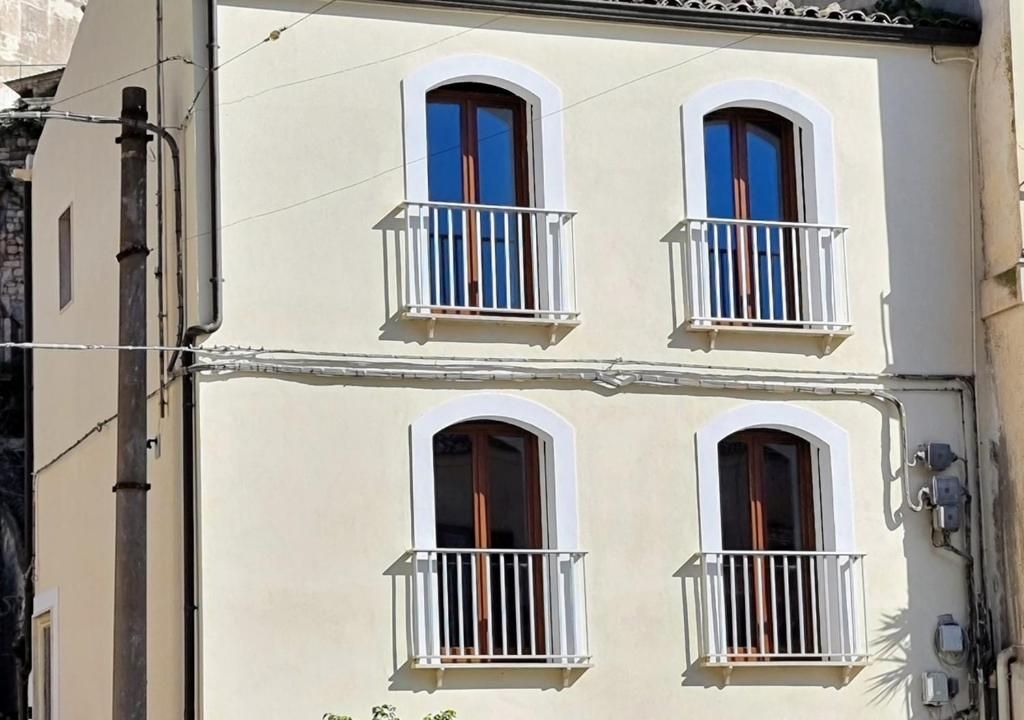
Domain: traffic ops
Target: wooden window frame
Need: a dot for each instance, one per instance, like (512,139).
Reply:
(738,118)
(755,441)
(65,260)
(479,433)
(470,97)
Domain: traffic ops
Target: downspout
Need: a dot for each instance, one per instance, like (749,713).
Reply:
(28,562)
(1003,661)
(190,530)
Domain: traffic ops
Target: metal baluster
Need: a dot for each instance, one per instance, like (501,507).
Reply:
(841,608)
(508,269)
(771,273)
(805,235)
(746,603)
(437,260)
(828,609)
(465,259)
(473,588)
(797,291)
(444,603)
(494,263)
(718,274)
(479,232)
(812,563)
(731,288)
(462,604)
(775,605)
(551,265)
(490,606)
(571,243)
(756,257)
(843,259)
(504,604)
(744,252)
(545,562)
(519,606)
(535,262)
(520,260)
(533,611)
(800,602)
(733,601)
(451,259)
(562,614)
(762,638)
(789,612)
(407,285)
(783,288)
(826,306)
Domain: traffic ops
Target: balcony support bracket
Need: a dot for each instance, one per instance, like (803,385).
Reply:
(847,674)
(431,325)
(566,675)
(828,343)
(439,678)
(712,338)
(726,675)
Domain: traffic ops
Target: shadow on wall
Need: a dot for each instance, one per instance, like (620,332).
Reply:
(397,327)
(406,678)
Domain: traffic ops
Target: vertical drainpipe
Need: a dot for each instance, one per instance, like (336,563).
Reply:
(189,520)
(28,490)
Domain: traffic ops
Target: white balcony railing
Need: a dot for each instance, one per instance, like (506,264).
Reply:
(498,607)
(784,607)
(488,262)
(746,274)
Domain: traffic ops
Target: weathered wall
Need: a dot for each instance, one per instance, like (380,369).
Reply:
(1000,103)
(36,32)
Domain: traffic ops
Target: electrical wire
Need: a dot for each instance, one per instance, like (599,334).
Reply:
(403,165)
(118,79)
(361,66)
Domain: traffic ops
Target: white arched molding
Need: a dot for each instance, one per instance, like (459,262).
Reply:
(558,455)
(830,443)
(806,114)
(544,101)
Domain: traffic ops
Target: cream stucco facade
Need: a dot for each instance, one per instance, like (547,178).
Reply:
(309,468)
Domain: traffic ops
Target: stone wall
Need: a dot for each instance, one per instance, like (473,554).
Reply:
(36,32)
(16,142)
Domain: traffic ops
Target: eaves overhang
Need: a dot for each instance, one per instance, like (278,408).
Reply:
(744,16)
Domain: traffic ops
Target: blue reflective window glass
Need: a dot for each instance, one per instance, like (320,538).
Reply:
(446,183)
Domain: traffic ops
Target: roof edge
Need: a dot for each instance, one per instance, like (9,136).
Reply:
(717,20)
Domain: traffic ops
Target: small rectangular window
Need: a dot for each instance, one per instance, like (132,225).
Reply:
(42,664)
(64,257)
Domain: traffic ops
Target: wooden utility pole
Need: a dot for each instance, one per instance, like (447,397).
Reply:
(131,486)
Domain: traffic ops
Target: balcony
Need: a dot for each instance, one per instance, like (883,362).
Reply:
(480,609)
(784,608)
(488,263)
(760,276)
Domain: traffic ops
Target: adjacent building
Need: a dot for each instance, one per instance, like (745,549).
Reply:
(578,359)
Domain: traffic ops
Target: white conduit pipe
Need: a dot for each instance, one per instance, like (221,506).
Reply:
(607,377)
(1003,660)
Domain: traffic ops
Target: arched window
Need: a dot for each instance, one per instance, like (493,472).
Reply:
(488,235)
(765,250)
(750,166)
(767,505)
(487,496)
(477,155)
(498,574)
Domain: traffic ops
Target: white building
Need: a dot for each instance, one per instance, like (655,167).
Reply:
(596,341)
